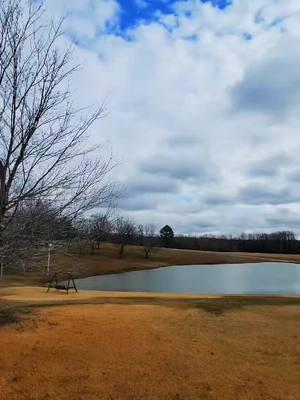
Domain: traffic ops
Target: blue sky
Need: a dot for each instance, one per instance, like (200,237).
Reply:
(134,11)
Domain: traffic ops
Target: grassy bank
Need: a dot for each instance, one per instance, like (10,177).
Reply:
(106,260)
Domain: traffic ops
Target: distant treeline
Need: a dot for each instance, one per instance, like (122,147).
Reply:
(37,228)
(277,242)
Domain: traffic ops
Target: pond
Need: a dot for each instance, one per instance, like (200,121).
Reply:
(261,278)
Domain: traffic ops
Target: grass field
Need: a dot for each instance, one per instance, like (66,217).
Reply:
(131,347)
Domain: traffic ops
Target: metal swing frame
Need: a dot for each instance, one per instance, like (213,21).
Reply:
(54,283)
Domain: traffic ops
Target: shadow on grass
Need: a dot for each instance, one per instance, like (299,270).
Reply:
(216,306)
(222,305)
(12,314)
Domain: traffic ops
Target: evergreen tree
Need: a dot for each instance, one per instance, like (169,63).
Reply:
(166,234)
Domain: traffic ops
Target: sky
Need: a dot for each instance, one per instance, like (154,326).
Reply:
(202,107)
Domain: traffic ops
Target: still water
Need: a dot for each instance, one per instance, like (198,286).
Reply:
(262,278)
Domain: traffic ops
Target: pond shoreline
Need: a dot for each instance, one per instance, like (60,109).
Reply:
(164,258)
(106,261)
(155,267)
(222,279)
(33,295)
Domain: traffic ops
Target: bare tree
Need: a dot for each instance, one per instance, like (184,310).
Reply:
(26,239)
(125,231)
(101,227)
(42,136)
(149,239)
(82,239)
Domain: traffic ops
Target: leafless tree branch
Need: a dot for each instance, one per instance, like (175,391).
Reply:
(42,136)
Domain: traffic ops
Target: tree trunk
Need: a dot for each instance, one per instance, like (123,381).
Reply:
(147,251)
(122,250)
(92,248)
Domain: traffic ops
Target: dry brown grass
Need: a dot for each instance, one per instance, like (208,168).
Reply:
(142,350)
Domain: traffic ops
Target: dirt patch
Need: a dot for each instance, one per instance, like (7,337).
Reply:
(144,351)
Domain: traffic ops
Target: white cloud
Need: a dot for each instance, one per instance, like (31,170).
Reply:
(85,19)
(141,3)
(175,78)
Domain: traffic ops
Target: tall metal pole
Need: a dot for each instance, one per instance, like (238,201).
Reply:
(49,258)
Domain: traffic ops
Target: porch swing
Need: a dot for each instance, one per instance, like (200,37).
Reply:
(55,283)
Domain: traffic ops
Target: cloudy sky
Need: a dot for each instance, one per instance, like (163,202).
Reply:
(203,107)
